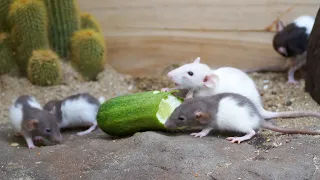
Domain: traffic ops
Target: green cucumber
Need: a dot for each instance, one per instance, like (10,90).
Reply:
(128,114)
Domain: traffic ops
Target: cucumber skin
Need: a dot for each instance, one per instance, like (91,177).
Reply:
(128,114)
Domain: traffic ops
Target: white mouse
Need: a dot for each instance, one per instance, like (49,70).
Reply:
(213,112)
(78,110)
(207,82)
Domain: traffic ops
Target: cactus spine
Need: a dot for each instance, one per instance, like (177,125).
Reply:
(29,20)
(7,61)
(4,11)
(89,21)
(44,68)
(88,53)
(64,20)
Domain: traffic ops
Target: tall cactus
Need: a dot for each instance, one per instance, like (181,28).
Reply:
(88,53)
(64,20)
(44,68)
(7,61)
(4,12)
(89,21)
(30,27)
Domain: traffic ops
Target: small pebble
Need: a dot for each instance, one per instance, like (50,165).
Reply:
(288,103)
(14,144)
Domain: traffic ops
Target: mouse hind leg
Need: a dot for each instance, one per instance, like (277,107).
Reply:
(248,136)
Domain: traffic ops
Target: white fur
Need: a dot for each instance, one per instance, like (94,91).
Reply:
(183,80)
(16,115)
(230,80)
(305,21)
(77,112)
(101,99)
(239,120)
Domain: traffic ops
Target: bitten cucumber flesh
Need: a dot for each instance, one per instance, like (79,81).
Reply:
(128,114)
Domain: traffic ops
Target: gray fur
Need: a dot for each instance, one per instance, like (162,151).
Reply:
(45,118)
(58,103)
(209,104)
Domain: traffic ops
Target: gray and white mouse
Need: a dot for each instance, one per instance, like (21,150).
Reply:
(32,122)
(291,42)
(77,110)
(224,112)
(207,82)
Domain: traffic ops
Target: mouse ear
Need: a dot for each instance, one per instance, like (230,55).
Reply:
(30,124)
(210,80)
(197,60)
(279,26)
(53,111)
(190,94)
(202,117)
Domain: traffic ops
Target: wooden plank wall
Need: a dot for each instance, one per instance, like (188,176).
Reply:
(145,35)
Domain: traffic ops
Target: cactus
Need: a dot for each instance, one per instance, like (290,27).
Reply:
(44,68)
(30,27)
(7,61)
(64,20)
(88,53)
(88,21)
(4,11)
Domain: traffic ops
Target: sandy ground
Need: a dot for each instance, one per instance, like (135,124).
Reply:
(156,155)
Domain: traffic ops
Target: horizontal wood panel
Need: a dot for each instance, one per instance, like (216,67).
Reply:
(151,33)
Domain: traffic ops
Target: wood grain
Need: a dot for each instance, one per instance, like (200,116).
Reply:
(145,35)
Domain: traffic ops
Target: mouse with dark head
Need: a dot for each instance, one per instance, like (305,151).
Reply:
(224,112)
(291,41)
(32,122)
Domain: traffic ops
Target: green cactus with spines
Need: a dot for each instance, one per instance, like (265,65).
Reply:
(4,12)
(88,53)
(30,29)
(44,68)
(8,64)
(64,20)
(89,21)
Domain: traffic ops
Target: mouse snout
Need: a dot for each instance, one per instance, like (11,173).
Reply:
(168,124)
(57,138)
(170,74)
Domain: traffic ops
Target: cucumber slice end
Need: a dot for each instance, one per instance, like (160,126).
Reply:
(166,107)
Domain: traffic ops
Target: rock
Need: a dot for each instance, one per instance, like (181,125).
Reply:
(312,83)
(155,155)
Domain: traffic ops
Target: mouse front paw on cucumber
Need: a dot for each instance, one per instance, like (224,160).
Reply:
(128,114)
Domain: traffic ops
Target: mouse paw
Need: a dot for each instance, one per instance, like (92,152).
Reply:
(31,146)
(199,134)
(165,89)
(235,139)
(293,82)
(38,139)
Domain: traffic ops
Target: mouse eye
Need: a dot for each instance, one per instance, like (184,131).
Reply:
(190,73)
(48,130)
(181,118)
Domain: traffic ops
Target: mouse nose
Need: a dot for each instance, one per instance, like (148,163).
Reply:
(170,75)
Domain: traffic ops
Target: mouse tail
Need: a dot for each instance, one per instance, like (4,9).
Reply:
(288,114)
(271,127)
(101,99)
